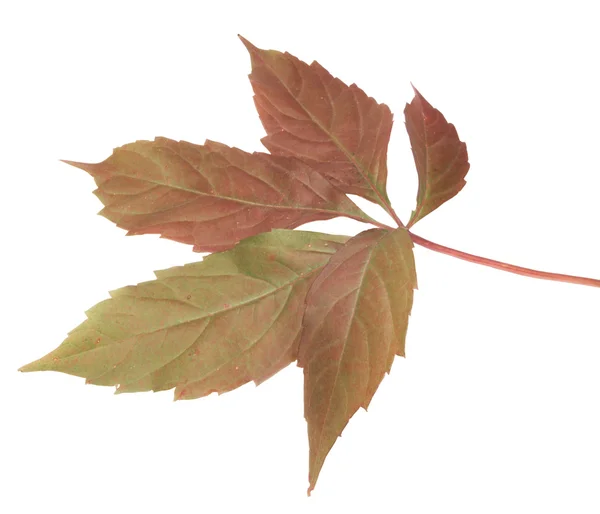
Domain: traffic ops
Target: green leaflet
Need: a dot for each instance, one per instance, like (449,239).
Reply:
(203,327)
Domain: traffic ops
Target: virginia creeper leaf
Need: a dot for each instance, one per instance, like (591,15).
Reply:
(355,322)
(338,305)
(208,326)
(210,195)
(314,116)
(441,158)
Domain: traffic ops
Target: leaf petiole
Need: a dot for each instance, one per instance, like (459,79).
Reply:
(484,261)
(511,268)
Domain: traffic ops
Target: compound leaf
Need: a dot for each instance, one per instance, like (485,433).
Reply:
(207,326)
(314,116)
(210,195)
(441,158)
(270,295)
(355,322)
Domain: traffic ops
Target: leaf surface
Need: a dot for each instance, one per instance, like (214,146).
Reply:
(355,322)
(210,195)
(208,326)
(440,157)
(314,116)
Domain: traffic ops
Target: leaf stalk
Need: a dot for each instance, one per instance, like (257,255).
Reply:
(484,261)
(511,268)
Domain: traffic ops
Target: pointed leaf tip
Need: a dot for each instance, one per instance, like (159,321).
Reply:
(72,163)
(85,166)
(252,49)
(244,40)
(32,366)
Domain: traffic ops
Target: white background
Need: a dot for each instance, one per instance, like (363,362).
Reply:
(495,408)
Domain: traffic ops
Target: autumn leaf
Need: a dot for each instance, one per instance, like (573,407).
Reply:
(207,326)
(309,114)
(440,157)
(339,306)
(210,195)
(355,322)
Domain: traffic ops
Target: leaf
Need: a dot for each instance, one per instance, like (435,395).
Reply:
(355,322)
(309,114)
(441,158)
(204,327)
(210,195)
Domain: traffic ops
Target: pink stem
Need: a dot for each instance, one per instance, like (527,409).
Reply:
(511,268)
